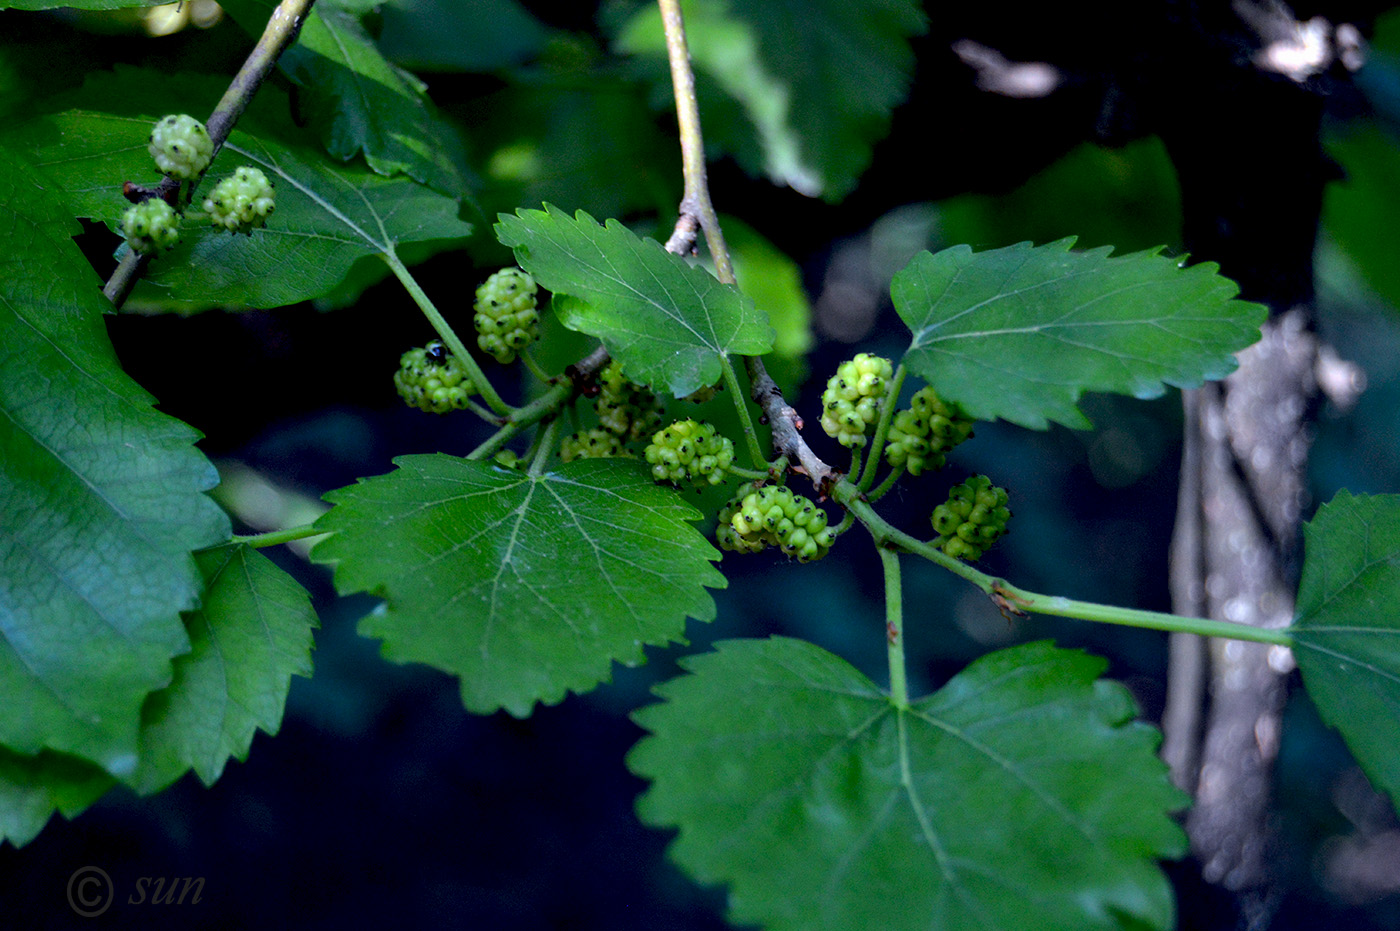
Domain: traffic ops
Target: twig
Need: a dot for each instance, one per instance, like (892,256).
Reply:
(696,207)
(282,30)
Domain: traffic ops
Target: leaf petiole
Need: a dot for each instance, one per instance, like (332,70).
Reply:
(882,429)
(445,331)
(741,404)
(276,537)
(1020,600)
(894,628)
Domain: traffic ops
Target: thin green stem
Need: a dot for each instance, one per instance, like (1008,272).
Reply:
(1130,617)
(886,485)
(482,412)
(445,331)
(857,458)
(894,628)
(276,537)
(543,406)
(1011,598)
(545,446)
(752,475)
(882,429)
(741,404)
(534,368)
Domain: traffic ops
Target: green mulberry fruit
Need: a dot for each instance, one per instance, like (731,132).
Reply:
(921,436)
(432,379)
(688,449)
(180,146)
(626,409)
(851,401)
(151,226)
(592,444)
(507,316)
(972,519)
(241,202)
(771,515)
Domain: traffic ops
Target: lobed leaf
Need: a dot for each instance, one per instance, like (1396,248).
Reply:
(101,502)
(525,587)
(1020,795)
(1022,332)
(1347,636)
(250,635)
(666,321)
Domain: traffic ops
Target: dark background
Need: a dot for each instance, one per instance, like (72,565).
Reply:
(381,800)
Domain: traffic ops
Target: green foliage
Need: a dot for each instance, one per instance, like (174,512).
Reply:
(1359,213)
(1020,795)
(139,641)
(1022,332)
(76,4)
(359,103)
(817,80)
(525,586)
(32,788)
(100,510)
(250,635)
(667,322)
(1345,635)
(443,35)
(328,214)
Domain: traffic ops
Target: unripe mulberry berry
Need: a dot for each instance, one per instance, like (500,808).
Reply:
(180,146)
(151,226)
(592,444)
(432,379)
(688,449)
(771,515)
(626,409)
(851,401)
(507,316)
(921,436)
(972,519)
(241,202)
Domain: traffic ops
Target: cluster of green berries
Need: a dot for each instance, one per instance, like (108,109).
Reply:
(689,450)
(507,319)
(596,443)
(972,519)
(432,379)
(624,408)
(182,149)
(851,401)
(771,515)
(151,226)
(920,437)
(180,146)
(241,202)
